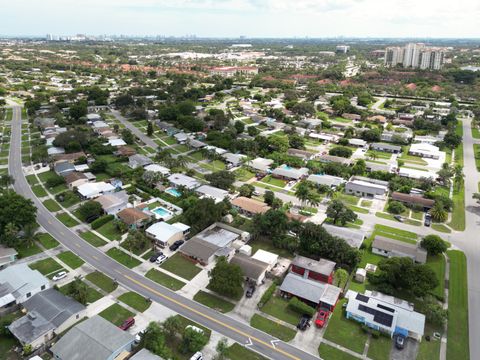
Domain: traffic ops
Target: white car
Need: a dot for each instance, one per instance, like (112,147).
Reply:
(59,276)
(160,259)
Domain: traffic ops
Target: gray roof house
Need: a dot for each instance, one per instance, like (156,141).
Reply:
(260,164)
(7,256)
(93,339)
(366,187)
(234,159)
(144,354)
(188,182)
(353,237)
(287,172)
(253,269)
(139,160)
(327,180)
(386,148)
(212,192)
(393,248)
(63,168)
(18,283)
(48,313)
(113,203)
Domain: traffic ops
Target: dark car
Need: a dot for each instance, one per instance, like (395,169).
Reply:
(428,220)
(250,290)
(127,324)
(155,256)
(400,342)
(176,245)
(398,218)
(304,323)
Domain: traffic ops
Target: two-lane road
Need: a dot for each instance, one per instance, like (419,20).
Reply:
(225,325)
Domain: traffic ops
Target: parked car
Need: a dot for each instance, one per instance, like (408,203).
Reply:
(398,218)
(59,276)
(400,342)
(428,219)
(194,328)
(304,323)
(197,356)
(155,256)
(322,318)
(161,259)
(250,290)
(127,324)
(176,245)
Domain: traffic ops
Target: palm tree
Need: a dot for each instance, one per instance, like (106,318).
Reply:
(181,161)
(29,234)
(314,199)
(439,213)
(373,155)
(302,192)
(459,175)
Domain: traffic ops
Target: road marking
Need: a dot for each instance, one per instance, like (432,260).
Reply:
(249,342)
(95,257)
(199,313)
(77,245)
(62,233)
(273,342)
(50,222)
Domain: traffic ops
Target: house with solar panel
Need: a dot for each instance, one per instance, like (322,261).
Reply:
(385,313)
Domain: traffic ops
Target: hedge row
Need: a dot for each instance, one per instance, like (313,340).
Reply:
(101,221)
(267,295)
(300,307)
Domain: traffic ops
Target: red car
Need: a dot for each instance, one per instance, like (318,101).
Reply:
(322,318)
(127,324)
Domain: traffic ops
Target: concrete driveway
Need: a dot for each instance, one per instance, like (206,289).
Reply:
(409,352)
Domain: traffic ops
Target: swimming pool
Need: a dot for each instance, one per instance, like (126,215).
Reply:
(173,192)
(162,212)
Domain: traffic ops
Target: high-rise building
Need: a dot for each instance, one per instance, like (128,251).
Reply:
(415,56)
(432,59)
(394,56)
(342,49)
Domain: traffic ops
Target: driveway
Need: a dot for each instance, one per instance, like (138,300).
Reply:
(408,353)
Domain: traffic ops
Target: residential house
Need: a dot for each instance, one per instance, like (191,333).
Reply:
(394,149)
(413,200)
(334,159)
(7,256)
(289,173)
(63,168)
(75,179)
(318,270)
(357,142)
(139,160)
(397,137)
(180,180)
(181,137)
(373,166)
(144,354)
(71,157)
(113,203)
(234,159)
(353,117)
(261,165)
(302,154)
(165,234)
(366,187)
(385,313)
(93,339)
(196,144)
(18,283)
(211,192)
(93,190)
(377,118)
(158,169)
(125,151)
(248,206)
(353,237)
(328,138)
(395,248)
(116,142)
(253,270)
(326,180)
(417,174)
(48,314)
(133,217)
(425,150)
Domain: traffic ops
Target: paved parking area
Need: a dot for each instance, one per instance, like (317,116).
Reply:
(409,352)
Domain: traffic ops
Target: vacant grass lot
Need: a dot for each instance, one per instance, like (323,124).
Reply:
(102,281)
(457,341)
(67,220)
(123,258)
(47,241)
(180,266)
(46,266)
(213,301)
(135,301)
(328,352)
(116,314)
(164,280)
(71,259)
(92,239)
(278,307)
(275,329)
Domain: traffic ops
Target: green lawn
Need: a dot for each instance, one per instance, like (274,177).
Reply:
(39,191)
(379,349)
(213,301)
(102,281)
(46,266)
(71,259)
(437,264)
(32,179)
(67,220)
(278,307)
(366,203)
(92,294)
(458,341)
(92,239)
(110,231)
(475,132)
(51,205)
(239,352)
(358,209)
(328,352)
(275,329)
(417,215)
(123,258)
(394,233)
(345,332)
(429,350)
(273,181)
(347,199)
(391,217)
(135,301)
(267,245)
(47,241)
(441,228)
(116,314)
(164,280)
(180,266)
(243,174)
(379,155)
(26,251)
(458,212)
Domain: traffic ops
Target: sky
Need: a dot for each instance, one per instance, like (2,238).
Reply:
(250,18)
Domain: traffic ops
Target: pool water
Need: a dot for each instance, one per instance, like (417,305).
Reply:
(286,167)
(174,192)
(160,211)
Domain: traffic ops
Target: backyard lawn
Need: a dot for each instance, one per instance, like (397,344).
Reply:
(102,281)
(180,266)
(46,266)
(164,280)
(123,258)
(213,301)
(275,329)
(135,301)
(278,307)
(116,314)
(92,239)
(71,259)
(47,241)
(67,220)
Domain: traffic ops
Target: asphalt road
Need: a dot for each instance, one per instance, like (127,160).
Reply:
(258,341)
(138,133)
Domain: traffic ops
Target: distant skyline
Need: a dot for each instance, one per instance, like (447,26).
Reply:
(250,18)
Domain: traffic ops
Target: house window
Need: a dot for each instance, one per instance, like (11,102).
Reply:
(29,294)
(43,287)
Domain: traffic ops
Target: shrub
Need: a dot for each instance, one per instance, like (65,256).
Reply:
(267,295)
(395,207)
(300,307)
(55,181)
(101,221)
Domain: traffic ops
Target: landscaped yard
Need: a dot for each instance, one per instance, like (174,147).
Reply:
(164,280)
(278,307)
(135,301)
(102,281)
(213,301)
(71,259)
(328,352)
(46,266)
(92,294)
(67,220)
(123,258)
(116,314)
(110,231)
(47,241)
(180,266)
(92,239)
(275,329)
(458,340)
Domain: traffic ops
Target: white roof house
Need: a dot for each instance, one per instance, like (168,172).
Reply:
(55,150)
(353,237)
(415,173)
(164,234)
(93,190)
(364,188)
(288,172)
(100,124)
(188,182)
(425,150)
(260,164)
(116,142)
(266,257)
(214,193)
(18,283)
(158,169)
(328,180)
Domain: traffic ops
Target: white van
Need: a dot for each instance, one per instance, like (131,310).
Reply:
(194,328)
(197,356)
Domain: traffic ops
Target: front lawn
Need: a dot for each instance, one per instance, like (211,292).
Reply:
(379,348)
(328,352)
(71,259)
(346,198)
(441,228)
(26,251)
(394,233)
(92,239)
(39,191)
(458,212)
(243,174)
(123,258)
(92,294)
(46,266)
(239,352)
(116,314)
(164,280)
(437,264)
(110,231)
(47,241)
(213,301)
(51,205)
(458,340)
(180,266)
(278,307)
(270,327)
(67,220)
(102,281)
(269,179)
(32,179)
(135,301)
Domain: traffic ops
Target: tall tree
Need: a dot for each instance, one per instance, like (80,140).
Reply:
(226,279)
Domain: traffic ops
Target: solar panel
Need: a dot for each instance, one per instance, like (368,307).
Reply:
(367,309)
(362,298)
(385,308)
(382,318)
